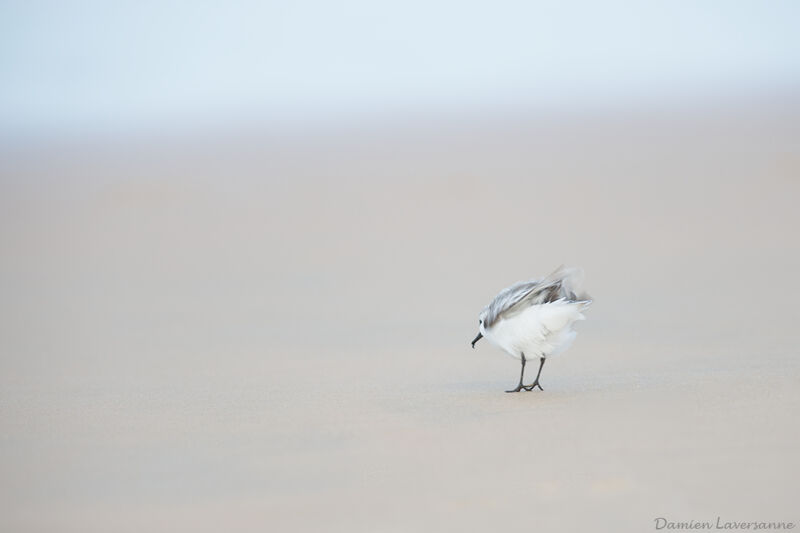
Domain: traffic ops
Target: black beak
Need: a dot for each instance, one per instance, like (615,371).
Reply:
(476,339)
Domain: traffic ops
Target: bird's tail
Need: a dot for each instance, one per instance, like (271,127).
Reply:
(571,281)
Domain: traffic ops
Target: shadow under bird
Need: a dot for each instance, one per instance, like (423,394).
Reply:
(535,319)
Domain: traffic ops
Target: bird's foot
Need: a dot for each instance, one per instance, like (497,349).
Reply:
(533,386)
(519,388)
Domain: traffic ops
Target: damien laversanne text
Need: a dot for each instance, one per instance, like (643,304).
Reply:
(663,523)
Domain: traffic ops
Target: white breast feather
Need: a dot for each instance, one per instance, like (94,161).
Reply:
(539,331)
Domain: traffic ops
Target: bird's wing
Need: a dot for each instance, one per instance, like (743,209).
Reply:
(520,296)
(562,284)
(507,299)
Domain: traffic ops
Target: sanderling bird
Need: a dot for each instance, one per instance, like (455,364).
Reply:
(535,318)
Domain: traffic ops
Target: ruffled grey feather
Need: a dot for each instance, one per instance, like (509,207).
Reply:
(563,284)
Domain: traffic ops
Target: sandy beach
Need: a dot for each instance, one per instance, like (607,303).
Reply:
(273,335)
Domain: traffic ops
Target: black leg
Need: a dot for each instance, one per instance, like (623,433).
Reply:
(521,375)
(536,381)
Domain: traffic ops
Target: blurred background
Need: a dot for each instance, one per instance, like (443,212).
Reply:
(85,69)
(243,247)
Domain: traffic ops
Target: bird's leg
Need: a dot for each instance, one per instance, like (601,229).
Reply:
(536,381)
(521,375)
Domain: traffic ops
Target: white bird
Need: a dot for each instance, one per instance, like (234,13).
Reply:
(535,318)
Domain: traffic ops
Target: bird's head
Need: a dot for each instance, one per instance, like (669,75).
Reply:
(481,330)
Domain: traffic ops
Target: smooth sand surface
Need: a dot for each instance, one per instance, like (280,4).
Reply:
(274,335)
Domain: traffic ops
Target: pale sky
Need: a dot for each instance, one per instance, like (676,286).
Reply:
(69,66)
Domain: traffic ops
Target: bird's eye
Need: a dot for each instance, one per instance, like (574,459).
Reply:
(480,321)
